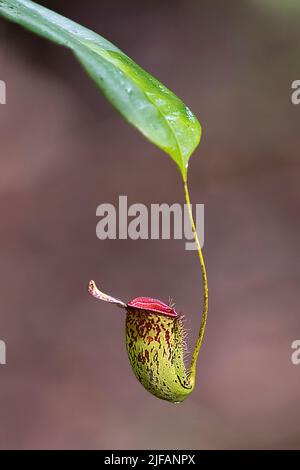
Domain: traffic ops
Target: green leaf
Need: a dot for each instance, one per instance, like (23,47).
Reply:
(141,99)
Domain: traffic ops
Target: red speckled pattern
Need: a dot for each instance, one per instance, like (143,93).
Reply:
(153,305)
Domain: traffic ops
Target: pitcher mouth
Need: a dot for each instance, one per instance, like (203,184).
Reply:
(147,304)
(153,306)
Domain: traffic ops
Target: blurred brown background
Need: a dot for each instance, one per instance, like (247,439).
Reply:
(64,150)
